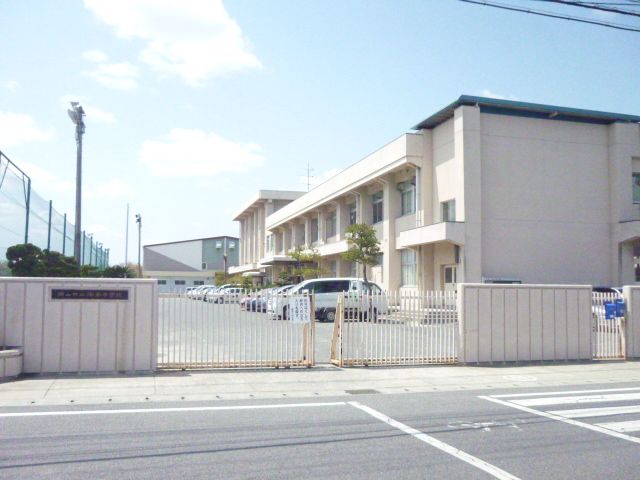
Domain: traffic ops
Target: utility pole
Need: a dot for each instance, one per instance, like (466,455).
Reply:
(126,240)
(76,113)
(139,222)
(308,176)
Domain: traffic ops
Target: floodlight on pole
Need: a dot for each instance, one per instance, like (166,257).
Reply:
(76,112)
(139,222)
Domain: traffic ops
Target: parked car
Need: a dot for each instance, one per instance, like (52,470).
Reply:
(226,295)
(326,291)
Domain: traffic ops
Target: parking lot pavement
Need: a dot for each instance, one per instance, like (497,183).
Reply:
(438,435)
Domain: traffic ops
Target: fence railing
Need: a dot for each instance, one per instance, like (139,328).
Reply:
(395,328)
(608,339)
(246,329)
(26,217)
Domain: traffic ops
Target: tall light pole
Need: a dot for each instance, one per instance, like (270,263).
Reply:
(139,222)
(76,113)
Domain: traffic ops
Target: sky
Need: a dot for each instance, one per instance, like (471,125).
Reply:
(194,105)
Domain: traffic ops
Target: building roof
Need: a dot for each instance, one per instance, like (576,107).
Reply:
(192,240)
(268,195)
(525,109)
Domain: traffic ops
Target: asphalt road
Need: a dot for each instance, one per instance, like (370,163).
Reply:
(519,433)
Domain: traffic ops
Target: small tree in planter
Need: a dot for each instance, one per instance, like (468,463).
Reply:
(307,263)
(364,247)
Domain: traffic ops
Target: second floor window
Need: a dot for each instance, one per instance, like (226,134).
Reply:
(331,224)
(314,230)
(353,214)
(448,210)
(636,187)
(407,197)
(377,207)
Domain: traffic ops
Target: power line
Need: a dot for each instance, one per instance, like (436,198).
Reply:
(543,13)
(592,6)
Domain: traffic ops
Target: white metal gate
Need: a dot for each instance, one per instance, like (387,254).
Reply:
(395,328)
(608,340)
(234,330)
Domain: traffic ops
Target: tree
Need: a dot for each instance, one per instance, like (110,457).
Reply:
(118,271)
(364,247)
(307,263)
(54,264)
(24,260)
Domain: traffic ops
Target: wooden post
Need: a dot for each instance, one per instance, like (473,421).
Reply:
(336,338)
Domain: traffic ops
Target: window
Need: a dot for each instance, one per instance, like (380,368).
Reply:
(204,266)
(198,282)
(178,282)
(232,245)
(314,230)
(636,187)
(331,286)
(448,210)
(407,196)
(334,268)
(330,224)
(377,207)
(162,282)
(408,267)
(353,214)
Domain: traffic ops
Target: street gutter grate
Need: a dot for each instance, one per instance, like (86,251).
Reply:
(364,391)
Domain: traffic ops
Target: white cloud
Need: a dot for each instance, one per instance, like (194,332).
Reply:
(314,181)
(111,189)
(11,85)
(94,114)
(117,76)
(488,93)
(194,153)
(17,128)
(44,180)
(193,39)
(95,56)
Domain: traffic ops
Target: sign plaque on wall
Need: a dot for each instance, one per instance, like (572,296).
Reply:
(88,294)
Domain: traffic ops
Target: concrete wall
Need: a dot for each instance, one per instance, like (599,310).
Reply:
(632,297)
(80,335)
(509,323)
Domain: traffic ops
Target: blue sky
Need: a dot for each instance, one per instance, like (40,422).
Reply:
(194,105)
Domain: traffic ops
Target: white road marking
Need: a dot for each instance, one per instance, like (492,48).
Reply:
(613,397)
(169,409)
(571,392)
(570,421)
(631,426)
(434,442)
(596,412)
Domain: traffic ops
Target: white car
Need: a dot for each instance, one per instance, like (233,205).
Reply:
(361,299)
(226,295)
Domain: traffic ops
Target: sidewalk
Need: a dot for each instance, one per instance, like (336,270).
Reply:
(317,382)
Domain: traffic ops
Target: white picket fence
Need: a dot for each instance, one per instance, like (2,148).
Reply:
(234,330)
(395,328)
(608,339)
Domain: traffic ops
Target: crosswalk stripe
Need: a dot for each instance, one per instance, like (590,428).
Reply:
(632,426)
(596,412)
(569,421)
(570,392)
(538,402)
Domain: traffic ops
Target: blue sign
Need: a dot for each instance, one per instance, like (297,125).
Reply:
(621,308)
(610,311)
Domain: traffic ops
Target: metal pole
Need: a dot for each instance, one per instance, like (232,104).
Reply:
(27,209)
(78,230)
(49,229)
(139,222)
(126,239)
(81,249)
(64,235)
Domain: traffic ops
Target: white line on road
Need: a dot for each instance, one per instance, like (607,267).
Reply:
(168,409)
(596,412)
(552,416)
(571,392)
(613,397)
(631,426)
(434,442)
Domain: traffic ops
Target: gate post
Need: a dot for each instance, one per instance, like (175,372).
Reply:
(336,338)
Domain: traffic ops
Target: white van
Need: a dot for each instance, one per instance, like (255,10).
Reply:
(325,292)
